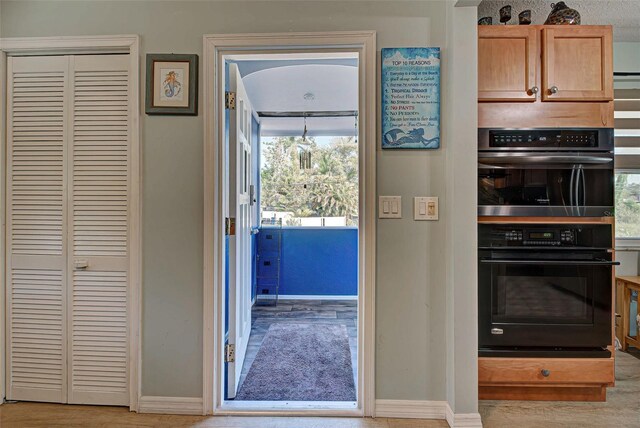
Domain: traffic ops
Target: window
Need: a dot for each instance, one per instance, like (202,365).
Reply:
(309,182)
(627,150)
(627,188)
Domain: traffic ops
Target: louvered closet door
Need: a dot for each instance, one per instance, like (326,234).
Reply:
(36,214)
(67,231)
(99,215)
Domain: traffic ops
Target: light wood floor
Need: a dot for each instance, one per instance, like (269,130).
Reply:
(36,415)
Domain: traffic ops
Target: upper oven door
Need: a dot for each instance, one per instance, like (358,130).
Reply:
(538,300)
(545,184)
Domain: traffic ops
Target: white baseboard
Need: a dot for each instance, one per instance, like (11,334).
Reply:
(170,405)
(463,420)
(305,297)
(413,409)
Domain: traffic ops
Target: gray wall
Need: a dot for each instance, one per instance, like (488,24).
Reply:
(415,283)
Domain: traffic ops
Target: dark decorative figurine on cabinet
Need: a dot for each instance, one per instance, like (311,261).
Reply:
(561,14)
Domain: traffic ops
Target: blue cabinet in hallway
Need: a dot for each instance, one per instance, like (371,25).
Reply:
(268,258)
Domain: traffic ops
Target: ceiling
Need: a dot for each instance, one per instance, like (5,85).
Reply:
(623,15)
(329,85)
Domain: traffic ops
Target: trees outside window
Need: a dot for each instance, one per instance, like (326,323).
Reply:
(627,187)
(321,192)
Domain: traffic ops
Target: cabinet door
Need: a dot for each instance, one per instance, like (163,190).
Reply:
(577,63)
(507,63)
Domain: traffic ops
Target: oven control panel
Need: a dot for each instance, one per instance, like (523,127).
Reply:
(544,235)
(544,138)
(563,139)
(537,237)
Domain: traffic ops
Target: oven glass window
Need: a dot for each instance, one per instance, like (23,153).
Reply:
(543,187)
(542,294)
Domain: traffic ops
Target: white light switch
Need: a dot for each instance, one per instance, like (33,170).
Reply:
(425,208)
(390,207)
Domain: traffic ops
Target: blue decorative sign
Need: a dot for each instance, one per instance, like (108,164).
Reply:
(410,98)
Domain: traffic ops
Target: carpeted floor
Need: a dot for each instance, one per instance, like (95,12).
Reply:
(337,312)
(621,410)
(301,362)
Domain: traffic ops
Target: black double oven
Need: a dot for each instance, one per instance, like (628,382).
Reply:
(545,287)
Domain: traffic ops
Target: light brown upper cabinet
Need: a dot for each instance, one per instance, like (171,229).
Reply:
(577,63)
(507,63)
(545,62)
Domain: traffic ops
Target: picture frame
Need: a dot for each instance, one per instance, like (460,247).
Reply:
(410,86)
(172,84)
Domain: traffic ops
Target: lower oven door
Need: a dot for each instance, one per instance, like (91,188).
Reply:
(544,302)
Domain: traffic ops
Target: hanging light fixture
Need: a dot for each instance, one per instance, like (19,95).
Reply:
(356,126)
(304,133)
(305,155)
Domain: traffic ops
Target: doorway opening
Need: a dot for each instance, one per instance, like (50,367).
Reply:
(292,224)
(291,322)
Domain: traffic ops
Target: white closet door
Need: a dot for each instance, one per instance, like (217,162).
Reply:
(99,224)
(36,214)
(67,232)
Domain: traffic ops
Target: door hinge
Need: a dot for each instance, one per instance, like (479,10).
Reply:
(229,353)
(230,100)
(230,226)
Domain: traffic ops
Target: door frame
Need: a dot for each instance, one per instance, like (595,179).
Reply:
(215,48)
(128,44)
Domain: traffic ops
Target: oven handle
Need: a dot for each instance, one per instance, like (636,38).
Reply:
(571,189)
(514,158)
(552,262)
(583,183)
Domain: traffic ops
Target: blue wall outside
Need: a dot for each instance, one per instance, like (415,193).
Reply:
(319,261)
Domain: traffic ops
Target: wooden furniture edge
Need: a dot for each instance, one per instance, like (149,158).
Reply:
(629,284)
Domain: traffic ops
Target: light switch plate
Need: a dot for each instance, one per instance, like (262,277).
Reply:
(390,207)
(425,208)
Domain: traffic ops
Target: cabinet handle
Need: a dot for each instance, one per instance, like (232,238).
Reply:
(534,90)
(545,372)
(553,89)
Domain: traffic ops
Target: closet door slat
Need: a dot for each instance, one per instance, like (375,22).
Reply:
(36,208)
(98,235)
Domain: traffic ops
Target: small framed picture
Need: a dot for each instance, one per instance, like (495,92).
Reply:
(172,84)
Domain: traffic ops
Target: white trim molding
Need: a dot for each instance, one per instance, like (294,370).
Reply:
(217,48)
(414,409)
(127,44)
(463,420)
(411,409)
(170,405)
